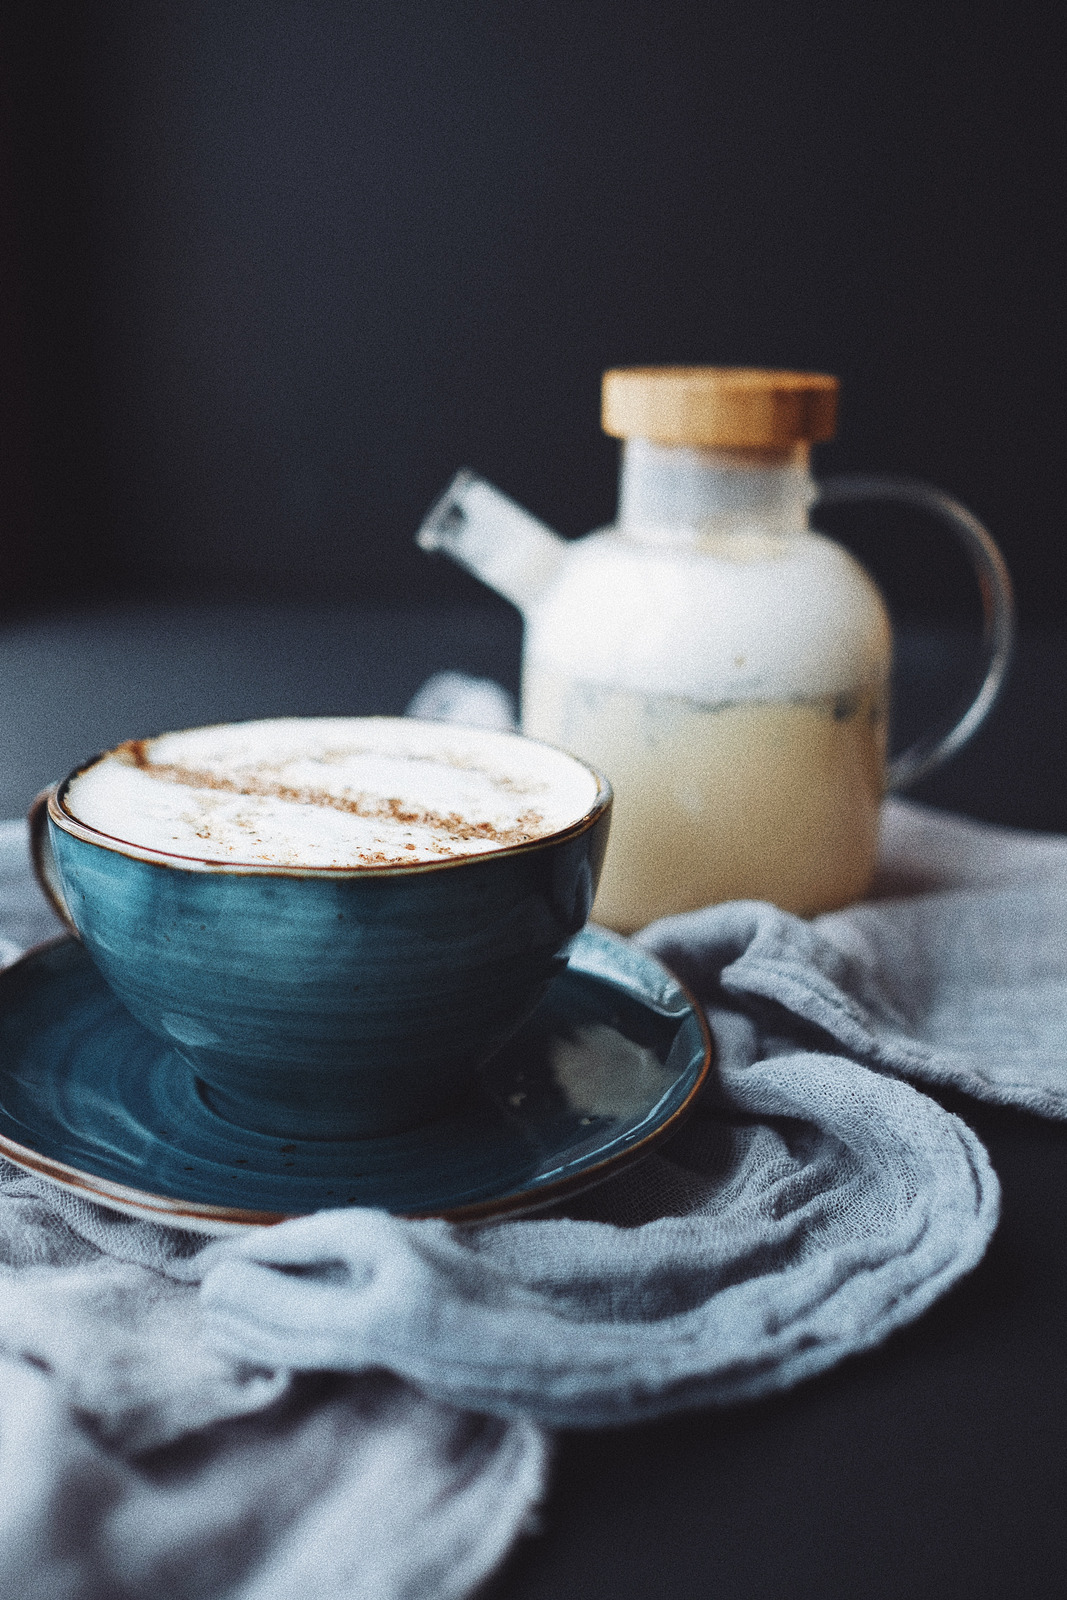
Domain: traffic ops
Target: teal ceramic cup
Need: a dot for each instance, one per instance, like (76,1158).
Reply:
(318,1002)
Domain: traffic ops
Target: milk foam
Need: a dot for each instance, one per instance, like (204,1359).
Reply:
(743,616)
(331,792)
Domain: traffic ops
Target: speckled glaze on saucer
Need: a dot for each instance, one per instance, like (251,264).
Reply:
(609,1062)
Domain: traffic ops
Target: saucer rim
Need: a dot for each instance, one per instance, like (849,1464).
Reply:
(202,1217)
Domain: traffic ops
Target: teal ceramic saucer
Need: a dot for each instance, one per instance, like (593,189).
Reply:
(608,1063)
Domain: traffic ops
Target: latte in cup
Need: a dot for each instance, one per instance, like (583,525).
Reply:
(331,792)
(332,922)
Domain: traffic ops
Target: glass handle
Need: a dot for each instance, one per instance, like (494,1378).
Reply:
(932,749)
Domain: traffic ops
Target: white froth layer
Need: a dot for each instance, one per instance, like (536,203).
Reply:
(743,616)
(331,792)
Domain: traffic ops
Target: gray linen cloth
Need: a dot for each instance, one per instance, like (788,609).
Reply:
(353,1405)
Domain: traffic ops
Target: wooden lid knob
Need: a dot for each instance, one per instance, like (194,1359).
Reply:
(730,407)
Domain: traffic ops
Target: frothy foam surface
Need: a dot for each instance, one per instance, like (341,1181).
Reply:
(762,617)
(331,792)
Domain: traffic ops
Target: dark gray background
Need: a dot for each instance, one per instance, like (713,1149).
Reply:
(274,269)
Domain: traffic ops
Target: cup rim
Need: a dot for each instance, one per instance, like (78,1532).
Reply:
(73,825)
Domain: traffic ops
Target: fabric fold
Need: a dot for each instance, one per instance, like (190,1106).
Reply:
(344,1489)
(957,988)
(820,1206)
(136,1460)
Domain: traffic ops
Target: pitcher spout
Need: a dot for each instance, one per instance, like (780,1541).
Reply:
(503,545)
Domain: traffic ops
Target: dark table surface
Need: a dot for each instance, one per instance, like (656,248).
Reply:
(933,1466)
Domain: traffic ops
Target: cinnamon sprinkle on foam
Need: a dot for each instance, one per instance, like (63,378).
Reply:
(334,792)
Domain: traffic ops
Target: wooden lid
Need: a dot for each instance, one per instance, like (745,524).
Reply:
(731,407)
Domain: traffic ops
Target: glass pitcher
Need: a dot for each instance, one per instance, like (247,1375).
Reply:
(724,664)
